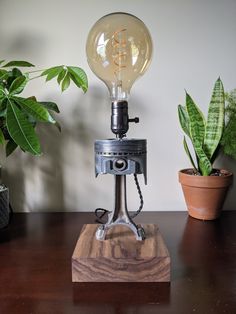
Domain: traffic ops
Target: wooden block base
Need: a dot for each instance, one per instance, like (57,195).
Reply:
(120,258)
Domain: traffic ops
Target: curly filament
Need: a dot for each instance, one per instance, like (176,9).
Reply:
(119,44)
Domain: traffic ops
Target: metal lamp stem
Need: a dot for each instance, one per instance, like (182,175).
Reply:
(120,214)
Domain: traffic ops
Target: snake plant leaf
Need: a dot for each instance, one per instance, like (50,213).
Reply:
(197,133)
(2,139)
(20,129)
(18,64)
(18,85)
(188,153)
(79,77)
(52,72)
(184,119)
(205,165)
(215,120)
(35,109)
(196,121)
(10,147)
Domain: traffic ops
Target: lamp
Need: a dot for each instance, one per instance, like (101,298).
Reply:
(119,50)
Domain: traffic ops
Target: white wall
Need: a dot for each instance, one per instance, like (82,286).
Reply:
(194,43)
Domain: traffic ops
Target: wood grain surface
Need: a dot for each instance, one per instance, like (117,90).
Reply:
(35,268)
(120,258)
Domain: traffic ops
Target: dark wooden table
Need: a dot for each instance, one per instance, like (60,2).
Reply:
(35,268)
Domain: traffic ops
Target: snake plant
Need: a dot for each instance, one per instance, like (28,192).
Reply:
(205,134)
(19,115)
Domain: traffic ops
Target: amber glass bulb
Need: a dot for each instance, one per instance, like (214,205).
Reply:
(119,50)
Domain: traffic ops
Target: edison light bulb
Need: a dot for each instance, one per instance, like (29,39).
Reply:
(119,50)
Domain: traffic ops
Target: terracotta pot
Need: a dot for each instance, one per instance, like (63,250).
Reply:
(205,195)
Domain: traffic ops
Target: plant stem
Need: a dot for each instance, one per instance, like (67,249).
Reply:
(35,71)
(32,78)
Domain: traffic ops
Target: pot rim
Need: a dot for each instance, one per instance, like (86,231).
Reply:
(226,172)
(205,181)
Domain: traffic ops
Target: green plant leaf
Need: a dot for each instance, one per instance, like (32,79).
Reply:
(188,153)
(3,107)
(35,109)
(1,61)
(2,93)
(10,147)
(65,83)
(231,103)
(21,130)
(12,75)
(18,85)
(2,139)
(50,106)
(3,74)
(18,64)
(184,119)
(205,165)
(228,140)
(3,113)
(215,120)
(197,133)
(16,72)
(58,126)
(52,72)
(196,121)
(79,77)
(61,75)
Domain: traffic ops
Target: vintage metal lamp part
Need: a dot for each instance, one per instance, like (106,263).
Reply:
(119,50)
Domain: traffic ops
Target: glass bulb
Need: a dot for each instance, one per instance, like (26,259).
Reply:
(119,50)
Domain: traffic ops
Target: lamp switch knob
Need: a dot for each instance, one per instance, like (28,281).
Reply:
(135,120)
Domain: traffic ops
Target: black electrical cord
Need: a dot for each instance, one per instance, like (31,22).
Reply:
(103,211)
(101,215)
(140,197)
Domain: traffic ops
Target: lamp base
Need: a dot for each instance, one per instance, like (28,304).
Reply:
(120,258)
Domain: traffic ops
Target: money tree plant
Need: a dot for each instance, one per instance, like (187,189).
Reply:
(20,115)
(205,134)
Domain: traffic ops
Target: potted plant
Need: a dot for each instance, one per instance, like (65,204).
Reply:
(20,115)
(204,187)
